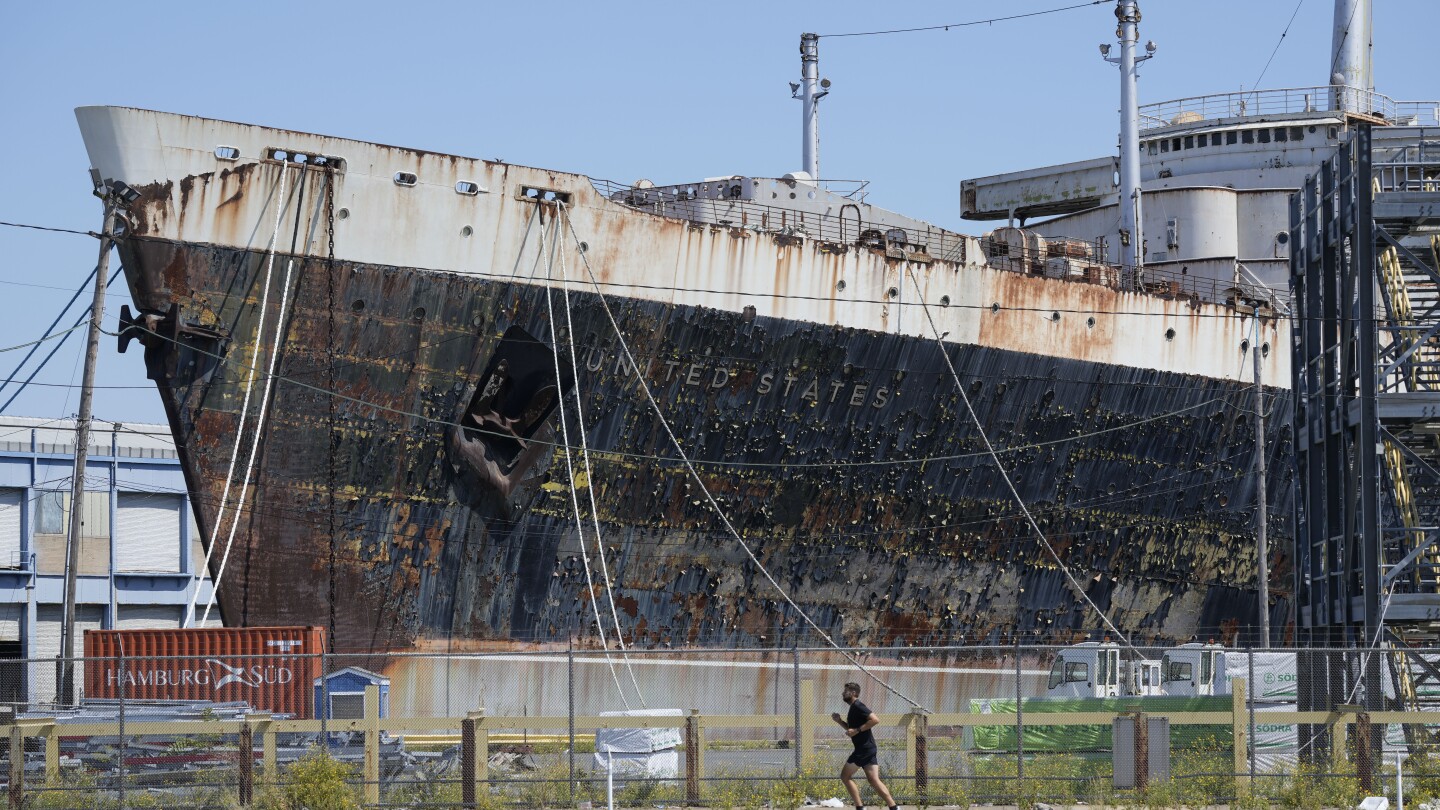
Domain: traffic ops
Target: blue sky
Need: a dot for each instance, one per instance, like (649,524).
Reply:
(666,91)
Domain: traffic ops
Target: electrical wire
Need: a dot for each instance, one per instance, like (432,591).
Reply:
(79,322)
(947,27)
(1263,70)
(49,228)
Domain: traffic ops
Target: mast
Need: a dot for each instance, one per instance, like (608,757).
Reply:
(1132,243)
(1350,56)
(810,90)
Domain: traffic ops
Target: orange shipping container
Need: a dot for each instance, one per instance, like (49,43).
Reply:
(271,668)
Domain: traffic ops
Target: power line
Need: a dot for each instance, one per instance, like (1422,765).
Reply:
(49,228)
(965,24)
(1281,41)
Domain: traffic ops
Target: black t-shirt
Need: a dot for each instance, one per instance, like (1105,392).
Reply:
(859,713)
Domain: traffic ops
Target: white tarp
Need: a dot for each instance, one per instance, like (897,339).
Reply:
(639,752)
(1276,680)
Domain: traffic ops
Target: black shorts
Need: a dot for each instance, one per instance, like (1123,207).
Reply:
(864,757)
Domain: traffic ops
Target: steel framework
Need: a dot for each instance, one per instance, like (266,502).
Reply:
(1366,380)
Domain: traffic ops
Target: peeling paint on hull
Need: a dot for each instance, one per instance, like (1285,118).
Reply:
(440,534)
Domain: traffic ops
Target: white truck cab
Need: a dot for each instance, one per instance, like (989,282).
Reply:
(1194,669)
(1088,669)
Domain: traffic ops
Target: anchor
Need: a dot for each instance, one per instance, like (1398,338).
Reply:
(173,348)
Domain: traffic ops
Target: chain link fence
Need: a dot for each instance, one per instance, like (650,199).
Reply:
(1093,723)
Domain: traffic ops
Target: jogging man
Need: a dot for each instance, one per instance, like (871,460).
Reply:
(857,725)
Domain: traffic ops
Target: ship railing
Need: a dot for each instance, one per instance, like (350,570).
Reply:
(1408,175)
(1088,261)
(1289,101)
(845,228)
(849,189)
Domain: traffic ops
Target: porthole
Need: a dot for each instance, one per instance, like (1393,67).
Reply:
(357,306)
(840,285)
(1244,346)
(1169,334)
(995,307)
(468,188)
(1264,349)
(418,314)
(1055,316)
(1090,322)
(405,179)
(893,292)
(226,152)
(467,231)
(343,213)
(584,247)
(944,300)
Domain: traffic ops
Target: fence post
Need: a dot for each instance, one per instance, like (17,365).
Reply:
(692,758)
(372,744)
(1142,751)
(795,697)
(17,766)
(1239,735)
(52,752)
(1019,718)
(246,754)
(482,747)
(1254,737)
(570,708)
(1364,753)
(468,787)
(922,759)
(266,724)
(807,722)
(909,721)
(700,748)
(1337,736)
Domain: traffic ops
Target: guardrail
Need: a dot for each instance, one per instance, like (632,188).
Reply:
(708,204)
(1289,101)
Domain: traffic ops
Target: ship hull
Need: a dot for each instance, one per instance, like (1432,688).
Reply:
(387,483)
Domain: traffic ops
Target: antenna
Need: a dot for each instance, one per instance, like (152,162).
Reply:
(810,95)
(1132,242)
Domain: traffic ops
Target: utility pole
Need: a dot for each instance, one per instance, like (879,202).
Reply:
(1132,243)
(1262,551)
(810,90)
(82,447)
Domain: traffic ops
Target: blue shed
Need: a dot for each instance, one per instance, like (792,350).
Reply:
(346,690)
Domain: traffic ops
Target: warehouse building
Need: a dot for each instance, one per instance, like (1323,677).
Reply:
(140,559)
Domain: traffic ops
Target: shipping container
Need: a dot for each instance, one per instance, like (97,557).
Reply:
(271,668)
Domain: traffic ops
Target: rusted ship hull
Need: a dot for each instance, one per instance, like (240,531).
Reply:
(910,552)
(409,474)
